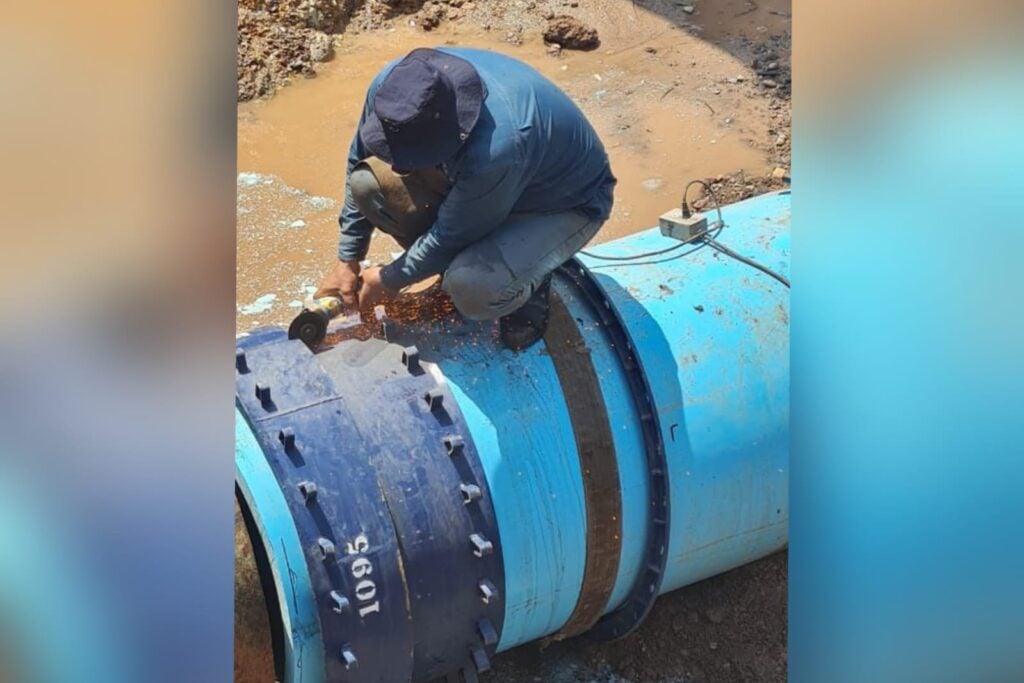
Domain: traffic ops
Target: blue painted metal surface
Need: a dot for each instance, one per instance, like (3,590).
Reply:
(301,644)
(710,335)
(713,337)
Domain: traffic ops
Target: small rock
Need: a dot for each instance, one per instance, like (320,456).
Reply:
(689,9)
(571,33)
(554,49)
(548,15)
(779,173)
(781,140)
(431,15)
(650,50)
(298,224)
(652,184)
(769,83)
(321,47)
(698,308)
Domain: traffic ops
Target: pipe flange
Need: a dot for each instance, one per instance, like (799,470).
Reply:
(315,451)
(638,603)
(439,501)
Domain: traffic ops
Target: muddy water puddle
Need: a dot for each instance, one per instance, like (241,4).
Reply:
(658,97)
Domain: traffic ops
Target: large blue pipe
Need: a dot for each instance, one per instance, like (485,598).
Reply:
(690,353)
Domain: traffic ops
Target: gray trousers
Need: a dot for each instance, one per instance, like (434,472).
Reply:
(491,277)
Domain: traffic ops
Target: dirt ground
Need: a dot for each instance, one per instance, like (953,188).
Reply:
(677,89)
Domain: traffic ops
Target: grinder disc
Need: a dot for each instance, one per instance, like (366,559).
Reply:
(310,327)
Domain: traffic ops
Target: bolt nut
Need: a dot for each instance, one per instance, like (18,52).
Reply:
(434,399)
(480,660)
(453,443)
(349,658)
(470,492)
(488,592)
(308,491)
(263,394)
(339,603)
(327,549)
(481,546)
(411,358)
(487,632)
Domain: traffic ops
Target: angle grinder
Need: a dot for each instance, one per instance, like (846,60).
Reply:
(311,325)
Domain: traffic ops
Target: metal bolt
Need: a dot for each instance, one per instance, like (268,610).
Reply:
(287,438)
(263,394)
(240,363)
(480,661)
(308,491)
(470,492)
(340,602)
(454,444)
(487,633)
(411,358)
(434,399)
(327,549)
(481,546)
(488,591)
(349,658)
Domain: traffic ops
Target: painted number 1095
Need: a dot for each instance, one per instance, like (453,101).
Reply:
(361,569)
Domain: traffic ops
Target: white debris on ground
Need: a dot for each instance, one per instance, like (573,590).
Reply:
(282,224)
(261,305)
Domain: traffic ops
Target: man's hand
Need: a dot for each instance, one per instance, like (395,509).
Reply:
(342,282)
(373,291)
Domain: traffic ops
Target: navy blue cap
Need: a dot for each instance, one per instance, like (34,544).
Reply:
(424,110)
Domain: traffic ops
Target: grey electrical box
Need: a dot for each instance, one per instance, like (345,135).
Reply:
(673,224)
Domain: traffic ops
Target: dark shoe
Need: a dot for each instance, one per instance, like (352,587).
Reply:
(523,327)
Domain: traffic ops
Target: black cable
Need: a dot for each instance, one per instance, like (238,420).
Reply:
(702,245)
(707,188)
(749,261)
(710,241)
(705,237)
(644,254)
(689,240)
